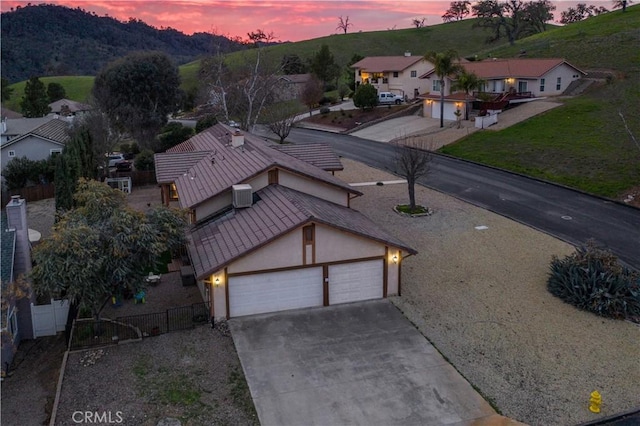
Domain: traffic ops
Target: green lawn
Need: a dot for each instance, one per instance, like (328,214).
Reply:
(77,88)
(582,144)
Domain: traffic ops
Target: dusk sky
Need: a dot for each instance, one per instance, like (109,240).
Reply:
(287,20)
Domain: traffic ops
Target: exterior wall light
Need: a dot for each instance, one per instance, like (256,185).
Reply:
(395,258)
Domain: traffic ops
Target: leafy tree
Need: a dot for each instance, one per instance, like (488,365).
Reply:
(292,64)
(6,90)
(412,162)
(55,92)
(621,4)
(365,97)
(444,64)
(104,135)
(205,122)
(144,160)
(512,19)
(172,134)
(280,118)
(344,24)
(102,247)
(138,92)
(76,161)
(323,65)
(311,93)
(35,102)
(458,10)
(467,82)
(350,74)
(580,12)
(343,90)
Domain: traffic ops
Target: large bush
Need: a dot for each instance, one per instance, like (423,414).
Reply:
(144,160)
(366,97)
(21,172)
(593,280)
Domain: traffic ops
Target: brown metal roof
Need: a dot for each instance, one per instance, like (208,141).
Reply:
(318,154)
(169,166)
(226,165)
(278,211)
(386,63)
(512,67)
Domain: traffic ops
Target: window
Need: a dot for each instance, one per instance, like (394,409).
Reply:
(273,176)
(436,85)
(559,83)
(55,151)
(173,192)
(542,84)
(308,234)
(12,154)
(414,73)
(395,74)
(385,80)
(522,86)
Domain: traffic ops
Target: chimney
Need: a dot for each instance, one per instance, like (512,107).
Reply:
(407,53)
(17,221)
(237,139)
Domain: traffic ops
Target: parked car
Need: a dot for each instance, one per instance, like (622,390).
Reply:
(123,166)
(115,158)
(389,98)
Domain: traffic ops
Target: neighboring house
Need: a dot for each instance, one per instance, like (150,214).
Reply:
(290,86)
(396,74)
(48,138)
(7,113)
(271,232)
(505,80)
(68,108)
(15,262)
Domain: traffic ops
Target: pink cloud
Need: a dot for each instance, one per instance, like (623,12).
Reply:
(287,19)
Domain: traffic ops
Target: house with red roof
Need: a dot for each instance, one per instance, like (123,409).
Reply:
(271,228)
(505,80)
(396,74)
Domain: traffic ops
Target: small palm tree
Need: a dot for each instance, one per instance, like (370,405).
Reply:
(444,64)
(467,82)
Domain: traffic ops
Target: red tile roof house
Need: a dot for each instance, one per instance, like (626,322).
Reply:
(504,78)
(271,232)
(396,74)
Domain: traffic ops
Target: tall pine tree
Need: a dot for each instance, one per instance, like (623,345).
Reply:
(35,102)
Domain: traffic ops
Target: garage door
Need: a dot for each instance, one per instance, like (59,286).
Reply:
(449,110)
(275,291)
(351,282)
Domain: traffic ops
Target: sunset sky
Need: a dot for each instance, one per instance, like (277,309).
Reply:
(287,20)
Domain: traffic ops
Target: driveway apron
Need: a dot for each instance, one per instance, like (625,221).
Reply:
(361,363)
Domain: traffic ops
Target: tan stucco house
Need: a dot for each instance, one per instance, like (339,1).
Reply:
(505,79)
(396,74)
(272,232)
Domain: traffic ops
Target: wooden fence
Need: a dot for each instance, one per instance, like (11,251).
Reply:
(43,192)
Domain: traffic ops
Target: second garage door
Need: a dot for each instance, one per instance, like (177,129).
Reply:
(275,291)
(352,282)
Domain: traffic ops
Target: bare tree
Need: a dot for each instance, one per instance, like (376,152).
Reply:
(344,24)
(418,23)
(241,91)
(311,93)
(413,161)
(280,118)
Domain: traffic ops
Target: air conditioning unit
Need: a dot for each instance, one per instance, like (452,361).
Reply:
(242,196)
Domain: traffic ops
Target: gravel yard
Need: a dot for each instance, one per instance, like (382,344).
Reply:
(480,297)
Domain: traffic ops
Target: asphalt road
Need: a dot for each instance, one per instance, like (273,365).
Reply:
(564,213)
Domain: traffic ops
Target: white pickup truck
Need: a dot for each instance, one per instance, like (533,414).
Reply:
(389,98)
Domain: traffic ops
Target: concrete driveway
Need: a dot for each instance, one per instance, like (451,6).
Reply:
(361,363)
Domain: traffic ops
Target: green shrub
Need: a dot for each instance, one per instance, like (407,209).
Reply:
(324,110)
(593,280)
(206,122)
(144,160)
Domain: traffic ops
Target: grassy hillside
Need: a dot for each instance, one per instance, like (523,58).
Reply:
(77,88)
(584,143)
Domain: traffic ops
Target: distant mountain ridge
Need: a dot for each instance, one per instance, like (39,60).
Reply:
(48,40)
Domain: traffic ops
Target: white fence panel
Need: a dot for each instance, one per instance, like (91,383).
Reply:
(48,319)
(486,121)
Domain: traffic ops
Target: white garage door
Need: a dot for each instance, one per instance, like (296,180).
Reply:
(351,282)
(275,291)
(449,109)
